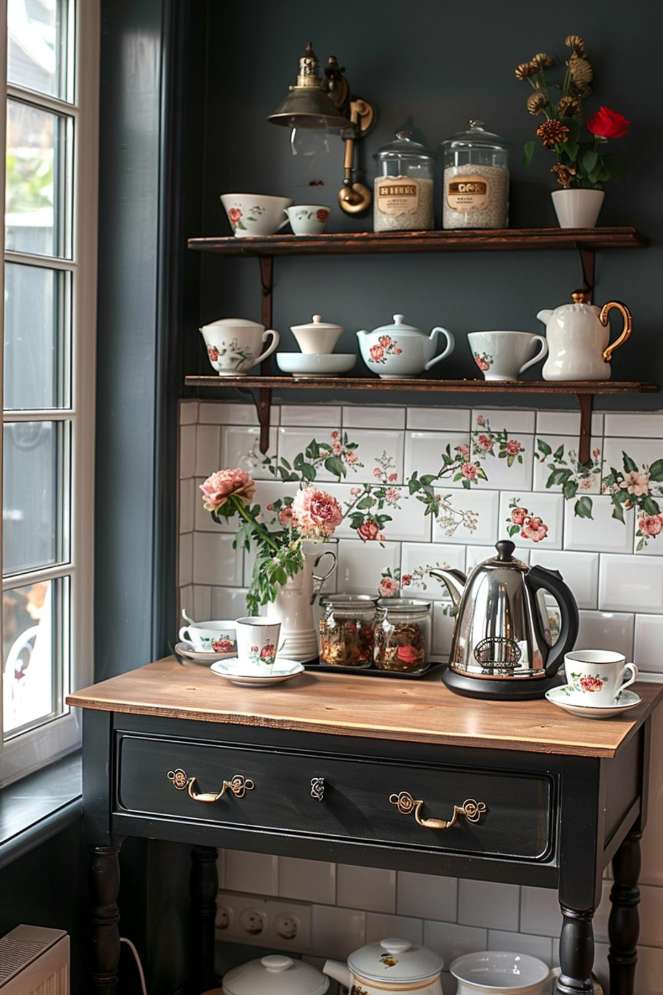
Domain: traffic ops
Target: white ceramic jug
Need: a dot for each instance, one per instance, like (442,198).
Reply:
(578,336)
(293,606)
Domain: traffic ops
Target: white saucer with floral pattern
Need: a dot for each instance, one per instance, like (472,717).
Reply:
(257,675)
(561,697)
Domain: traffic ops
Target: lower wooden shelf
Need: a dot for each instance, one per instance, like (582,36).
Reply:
(584,390)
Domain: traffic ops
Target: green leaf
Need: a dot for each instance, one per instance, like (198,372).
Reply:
(413,485)
(618,512)
(571,149)
(308,471)
(559,453)
(656,470)
(529,148)
(543,447)
(649,506)
(366,502)
(335,465)
(630,466)
(590,160)
(584,507)
(570,489)
(427,478)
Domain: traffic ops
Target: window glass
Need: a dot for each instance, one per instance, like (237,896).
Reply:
(37,43)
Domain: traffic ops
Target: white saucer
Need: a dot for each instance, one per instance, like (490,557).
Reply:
(196,656)
(560,696)
(324,364)
(262,675)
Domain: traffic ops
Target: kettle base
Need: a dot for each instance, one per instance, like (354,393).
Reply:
(506,689)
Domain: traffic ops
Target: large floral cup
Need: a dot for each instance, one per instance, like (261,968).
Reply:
(234,344)
(596,677)
(255,214)
(257,641)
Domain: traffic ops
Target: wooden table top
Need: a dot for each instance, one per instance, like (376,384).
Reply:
(422,711)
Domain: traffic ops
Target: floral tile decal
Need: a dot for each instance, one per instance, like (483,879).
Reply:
(558,468)
(639,487)
(530,519)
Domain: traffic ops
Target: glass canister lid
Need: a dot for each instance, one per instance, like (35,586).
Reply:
(475,137)
(404,147)
(404,606)
(275,974)
(395,960)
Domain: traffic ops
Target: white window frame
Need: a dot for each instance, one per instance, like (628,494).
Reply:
(36,748)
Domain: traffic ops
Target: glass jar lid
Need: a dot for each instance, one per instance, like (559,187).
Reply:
(349,600)
(404,606)
(475,137)
(404,147)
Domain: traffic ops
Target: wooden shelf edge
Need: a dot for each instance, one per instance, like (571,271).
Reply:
(345,243)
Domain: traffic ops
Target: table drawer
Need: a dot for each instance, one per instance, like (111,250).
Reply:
(505,814)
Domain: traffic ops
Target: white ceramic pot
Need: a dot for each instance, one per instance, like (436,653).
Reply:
(392,965)
(254,213)
(492,972)
(317,337)
(577,208)
(401,350)
(578,336)
(275,974)
(504,355)
(234,344)
(293,606)
(308,219)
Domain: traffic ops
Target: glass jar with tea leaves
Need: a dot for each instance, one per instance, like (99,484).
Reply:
(403,188)
(475,189)
(347,623)
(402,634)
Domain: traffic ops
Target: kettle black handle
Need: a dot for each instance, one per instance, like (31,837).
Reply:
(551,580)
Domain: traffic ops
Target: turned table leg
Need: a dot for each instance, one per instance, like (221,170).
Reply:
(576,952)
(204,888)
(104,888)
(624,923)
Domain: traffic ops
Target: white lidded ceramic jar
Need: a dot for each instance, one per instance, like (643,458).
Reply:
(317,337)
(275,974)
(493,972)
(578,334)
(234,344)
(401,350)
(392,965)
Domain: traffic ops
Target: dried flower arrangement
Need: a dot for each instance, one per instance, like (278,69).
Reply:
(579,145)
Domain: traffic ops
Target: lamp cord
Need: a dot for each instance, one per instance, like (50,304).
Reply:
(141,974)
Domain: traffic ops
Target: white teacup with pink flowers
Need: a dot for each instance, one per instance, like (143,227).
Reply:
(257,641)
(505,355)
(597,677)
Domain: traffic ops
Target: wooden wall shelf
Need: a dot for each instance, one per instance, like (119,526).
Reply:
(584,390)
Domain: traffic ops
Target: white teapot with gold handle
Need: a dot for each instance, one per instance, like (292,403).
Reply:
(578,335)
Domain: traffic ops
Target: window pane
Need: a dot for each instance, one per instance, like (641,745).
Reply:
(33,654)
(35,492)
(37,215)
(37,313)
(37,45)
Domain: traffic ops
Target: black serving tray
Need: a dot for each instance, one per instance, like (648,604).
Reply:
(411,675)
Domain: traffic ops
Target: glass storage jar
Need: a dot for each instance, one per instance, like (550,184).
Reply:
(402,634)
(475,188)
(347,623)
(403,188)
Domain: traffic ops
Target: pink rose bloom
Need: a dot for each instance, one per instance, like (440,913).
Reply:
(463,451)
(384,341)
(485,441)
(397,350)
(518,515)
(513,447)
(376,353)
(318,514)
(392,495)
(225,484)
(336,446)
(351,457)
(636,483)
(388,587)
(286,517)
(335,434)
(406,580)
(213,353)
(369,530)
(377,472)
(392,477)
(481,420)
(650,525)
(355,491)
(585,483)
(481,363)
(535,529)
(469,471)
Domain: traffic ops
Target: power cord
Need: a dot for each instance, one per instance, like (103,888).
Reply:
(141,973)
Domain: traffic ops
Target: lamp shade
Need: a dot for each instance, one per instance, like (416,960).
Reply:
(309,107)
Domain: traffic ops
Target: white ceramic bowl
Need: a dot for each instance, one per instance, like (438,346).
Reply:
(311,365)
(493,972)
(255,213)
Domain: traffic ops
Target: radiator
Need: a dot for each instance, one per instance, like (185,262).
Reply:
(34,961)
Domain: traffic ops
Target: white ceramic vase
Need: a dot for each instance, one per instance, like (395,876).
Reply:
(293,607)
(577,208)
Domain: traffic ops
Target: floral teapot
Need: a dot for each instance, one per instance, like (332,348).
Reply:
(401,350)
(578,336)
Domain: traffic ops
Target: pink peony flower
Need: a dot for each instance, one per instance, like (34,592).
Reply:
(534,528)
(377,472)
(351,457)
(518,515)
(392,477)
(485,441)
(636,483)
(317,513)
(369,530)
(376,353)
(385,341)
(336,446)
(286,517)
(513,447)
(388,587)
(469,471)
(591,684)
(392,494)
(650,525)
(225,484)
(463,451)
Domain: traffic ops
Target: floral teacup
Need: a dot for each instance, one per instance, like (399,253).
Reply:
(210,637)
(234,344)
(596,677)
(255,214)
(257,640)
(308,219)
(504,355)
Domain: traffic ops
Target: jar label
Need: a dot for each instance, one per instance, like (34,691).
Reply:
(394,196)
(465,192)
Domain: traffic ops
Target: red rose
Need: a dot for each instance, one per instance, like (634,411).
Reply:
(607,123)
(234,214)
(407,654)
(368,530)
(213,353)
(322,214)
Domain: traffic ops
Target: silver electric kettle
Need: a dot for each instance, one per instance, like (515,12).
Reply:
(500,647)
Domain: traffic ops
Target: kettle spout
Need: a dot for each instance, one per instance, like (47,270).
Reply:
(455,581)
(339,972)
(544,315)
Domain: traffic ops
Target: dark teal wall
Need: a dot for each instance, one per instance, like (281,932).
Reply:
(432,65)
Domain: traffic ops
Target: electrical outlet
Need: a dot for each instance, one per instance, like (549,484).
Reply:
(264,922)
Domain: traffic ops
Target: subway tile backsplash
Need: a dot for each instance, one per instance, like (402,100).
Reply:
(599,527)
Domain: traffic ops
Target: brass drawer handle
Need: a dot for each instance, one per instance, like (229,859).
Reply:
(238,785)
(406,804)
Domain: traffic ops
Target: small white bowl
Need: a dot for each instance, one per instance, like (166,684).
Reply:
(492,972)
(302,364)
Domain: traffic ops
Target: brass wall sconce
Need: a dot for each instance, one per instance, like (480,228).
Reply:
(326,105)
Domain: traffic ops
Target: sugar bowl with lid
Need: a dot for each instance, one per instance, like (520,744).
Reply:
(392,965)
(275,974)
